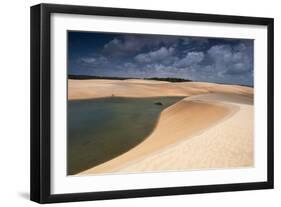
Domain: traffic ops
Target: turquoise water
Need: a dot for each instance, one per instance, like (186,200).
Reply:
(101,129)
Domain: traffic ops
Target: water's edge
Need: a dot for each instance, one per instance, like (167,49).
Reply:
(101,129)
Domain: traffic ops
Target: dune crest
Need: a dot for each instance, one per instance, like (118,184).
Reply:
(179,122)
(228,144)
(211,128)
(88,89)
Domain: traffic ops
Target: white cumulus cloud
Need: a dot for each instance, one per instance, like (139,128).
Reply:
(190,59)
(158,55)
(231,61)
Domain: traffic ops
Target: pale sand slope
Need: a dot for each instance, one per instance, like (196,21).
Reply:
(204,131)
(86,89)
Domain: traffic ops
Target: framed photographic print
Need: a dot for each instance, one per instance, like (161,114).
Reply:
(132,103)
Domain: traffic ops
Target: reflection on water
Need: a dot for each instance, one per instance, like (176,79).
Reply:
(101,129)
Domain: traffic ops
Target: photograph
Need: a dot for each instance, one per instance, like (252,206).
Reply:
(132,103)
(150,103)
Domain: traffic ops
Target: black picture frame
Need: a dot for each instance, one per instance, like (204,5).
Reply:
(41,98)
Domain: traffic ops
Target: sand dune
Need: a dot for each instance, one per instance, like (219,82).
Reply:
(228,144)
(86,89)
(211,128)
(203,131)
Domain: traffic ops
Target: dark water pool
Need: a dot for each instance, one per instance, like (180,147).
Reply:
(101,129)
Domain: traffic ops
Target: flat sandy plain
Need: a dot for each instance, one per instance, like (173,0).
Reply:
(211,128)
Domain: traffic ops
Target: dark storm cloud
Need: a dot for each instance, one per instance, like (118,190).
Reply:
(197,58)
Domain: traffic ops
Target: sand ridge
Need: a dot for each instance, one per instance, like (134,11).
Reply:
(211,128)
(180,122)
(228,144)
(87,89)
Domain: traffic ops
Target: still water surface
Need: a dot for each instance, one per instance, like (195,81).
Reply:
(101,129)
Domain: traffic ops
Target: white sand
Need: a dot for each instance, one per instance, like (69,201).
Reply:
(204,131)
(86,89)
(228,144)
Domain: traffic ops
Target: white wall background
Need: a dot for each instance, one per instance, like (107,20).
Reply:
(14,110)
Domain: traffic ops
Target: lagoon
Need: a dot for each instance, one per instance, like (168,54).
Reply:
(102,129)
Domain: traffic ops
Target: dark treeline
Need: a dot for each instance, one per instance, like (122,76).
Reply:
(88,77)
(169,79)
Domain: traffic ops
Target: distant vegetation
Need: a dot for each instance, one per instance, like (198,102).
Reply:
(169,79)
(88,77)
